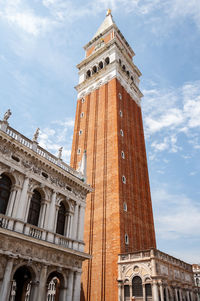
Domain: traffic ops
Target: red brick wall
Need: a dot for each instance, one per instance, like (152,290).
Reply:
(106,222)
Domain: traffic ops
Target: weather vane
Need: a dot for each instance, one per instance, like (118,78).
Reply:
(108,12)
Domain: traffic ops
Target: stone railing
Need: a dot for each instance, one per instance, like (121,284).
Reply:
(39,150)
(134,256)
(12,224)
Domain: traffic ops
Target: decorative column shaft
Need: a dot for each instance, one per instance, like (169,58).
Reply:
(23,200)
(161,293)
(75,222)
(42,285)
(70,282)
(167,293)
(155,291)
(52,212)
(5,289)
(119,291)
(11,201)
(81,223)
(43,214)
(77,286)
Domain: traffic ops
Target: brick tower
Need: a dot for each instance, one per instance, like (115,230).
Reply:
(109,127)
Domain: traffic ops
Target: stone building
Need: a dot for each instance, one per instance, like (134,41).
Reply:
(154,276)
(42,205)
(196,271)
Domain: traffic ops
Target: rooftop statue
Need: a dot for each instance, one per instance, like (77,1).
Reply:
(36,135)
(7,115)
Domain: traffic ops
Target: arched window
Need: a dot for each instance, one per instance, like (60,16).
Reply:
(34,209)
(126,239)
(88,73)
(60,228)
(107,60)
(125,206)
(100,65)
(124,68)
(94,69)
(137,287)
(5,187)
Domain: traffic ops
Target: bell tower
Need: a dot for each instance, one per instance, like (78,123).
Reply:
(109,127)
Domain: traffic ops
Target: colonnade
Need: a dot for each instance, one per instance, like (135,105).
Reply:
(19,204)
(69,291)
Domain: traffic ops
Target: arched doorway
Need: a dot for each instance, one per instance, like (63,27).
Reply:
(21,288)
(55,283)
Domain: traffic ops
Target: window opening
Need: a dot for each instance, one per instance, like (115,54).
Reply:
(34,209)
(124,179)
(5,189)
(137,290)
(125,206)
(107,60)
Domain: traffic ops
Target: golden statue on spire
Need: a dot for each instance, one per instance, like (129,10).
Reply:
(108,12)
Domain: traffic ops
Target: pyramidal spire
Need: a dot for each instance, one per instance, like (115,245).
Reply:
(108,21)
(83,165)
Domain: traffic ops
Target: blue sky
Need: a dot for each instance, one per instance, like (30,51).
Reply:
(41,44)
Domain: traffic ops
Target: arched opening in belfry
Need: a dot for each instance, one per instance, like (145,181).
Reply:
(100,65)
(88,73)
(55,285)
(94,69)
(107,61)
(5,189)
(22,284)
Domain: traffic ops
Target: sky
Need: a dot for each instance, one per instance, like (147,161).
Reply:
(41,44)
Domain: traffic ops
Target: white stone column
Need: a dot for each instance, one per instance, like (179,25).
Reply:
(28,205)
(161,293)
(81,223)
(70,284)
(42,285)
(120,291)
(34,291)
(23,200)
(180,294)
(5,288)
(17,200)
(77,286)
(131,291)
(167,293)
(176,294)
(43,214)
(52,213)
(69,225)
(155,291)
(187,294)
(75,222)
(10,207)
(144,292)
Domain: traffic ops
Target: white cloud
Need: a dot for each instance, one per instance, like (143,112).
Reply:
(171,215)
(170,114)
(56,136)
(20,14)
